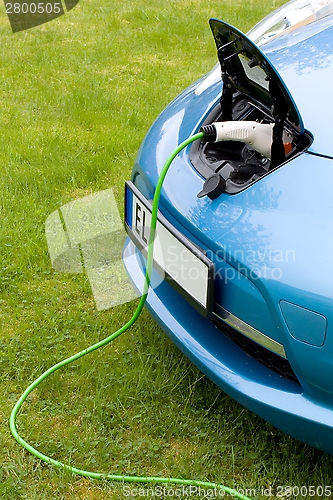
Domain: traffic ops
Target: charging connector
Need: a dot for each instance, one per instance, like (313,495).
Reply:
(257,135)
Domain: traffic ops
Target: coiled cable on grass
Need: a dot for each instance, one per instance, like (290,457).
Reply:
(107,340)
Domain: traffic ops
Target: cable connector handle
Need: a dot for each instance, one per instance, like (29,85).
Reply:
(257,135)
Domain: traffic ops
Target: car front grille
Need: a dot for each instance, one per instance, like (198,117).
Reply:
(268,358)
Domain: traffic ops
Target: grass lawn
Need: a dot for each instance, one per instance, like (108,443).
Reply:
(77,96)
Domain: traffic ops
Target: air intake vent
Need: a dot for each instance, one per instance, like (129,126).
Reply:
(265,356)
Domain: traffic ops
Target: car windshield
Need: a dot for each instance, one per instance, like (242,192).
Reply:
(290,17)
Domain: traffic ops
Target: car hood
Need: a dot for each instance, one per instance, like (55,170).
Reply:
(304,60)
(282,238)
(278,230)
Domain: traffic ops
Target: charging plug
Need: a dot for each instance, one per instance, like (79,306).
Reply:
(257,135)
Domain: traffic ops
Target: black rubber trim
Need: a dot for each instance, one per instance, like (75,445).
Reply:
(268,358)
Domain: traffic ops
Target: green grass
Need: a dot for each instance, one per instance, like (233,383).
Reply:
(77,97)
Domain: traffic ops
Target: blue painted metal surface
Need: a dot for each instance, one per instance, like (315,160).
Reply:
(305,61)
(270,243)
(282,403)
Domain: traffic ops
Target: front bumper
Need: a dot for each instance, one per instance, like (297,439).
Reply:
(272,397)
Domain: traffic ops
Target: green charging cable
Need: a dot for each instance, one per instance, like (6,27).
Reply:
(71,359)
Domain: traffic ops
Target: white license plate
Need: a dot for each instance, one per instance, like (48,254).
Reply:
(179,261)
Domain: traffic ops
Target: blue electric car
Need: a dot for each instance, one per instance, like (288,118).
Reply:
(243,259)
